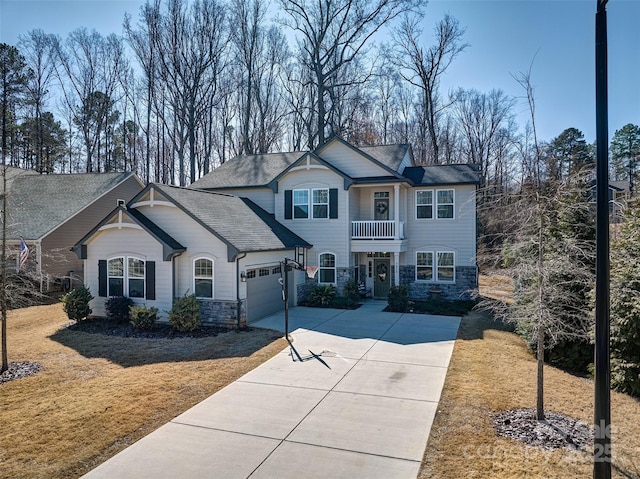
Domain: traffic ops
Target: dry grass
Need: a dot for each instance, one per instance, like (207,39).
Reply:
(98,394)
(492,370)
(498,287)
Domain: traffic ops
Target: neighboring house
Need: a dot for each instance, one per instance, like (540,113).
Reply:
(619,194)
(52,212)
(371,214)
(170,241)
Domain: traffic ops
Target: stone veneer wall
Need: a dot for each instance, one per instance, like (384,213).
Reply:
(342,276)
(223,313)
(465,286)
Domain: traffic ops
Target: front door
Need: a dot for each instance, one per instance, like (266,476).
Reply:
(382,277)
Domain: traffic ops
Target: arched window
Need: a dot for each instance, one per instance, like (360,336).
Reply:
(327,268)
(203,277)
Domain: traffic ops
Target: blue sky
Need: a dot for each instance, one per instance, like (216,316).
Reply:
(504,36)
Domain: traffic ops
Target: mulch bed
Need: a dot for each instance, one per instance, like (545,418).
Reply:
(110,327)
(557,431)
(20,370)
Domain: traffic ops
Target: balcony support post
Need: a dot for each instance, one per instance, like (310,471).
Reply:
(396,211)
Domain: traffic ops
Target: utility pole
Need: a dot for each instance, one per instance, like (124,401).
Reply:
(602,403)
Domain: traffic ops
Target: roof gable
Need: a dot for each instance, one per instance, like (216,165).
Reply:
(123,218)
(239,223)
(361,162)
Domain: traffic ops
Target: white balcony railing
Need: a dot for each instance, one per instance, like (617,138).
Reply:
(377,229)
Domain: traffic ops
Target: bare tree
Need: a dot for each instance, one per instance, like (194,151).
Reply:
(37,49)
(331,35)
(423,68)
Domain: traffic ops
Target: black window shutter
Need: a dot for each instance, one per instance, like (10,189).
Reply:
(150,277)
(288,204)
(102,278)
(333,203)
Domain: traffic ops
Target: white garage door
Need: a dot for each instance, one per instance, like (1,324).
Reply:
(264,293)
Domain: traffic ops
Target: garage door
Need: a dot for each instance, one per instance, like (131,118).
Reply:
(264,293)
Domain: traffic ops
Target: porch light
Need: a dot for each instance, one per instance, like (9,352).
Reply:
(243,276)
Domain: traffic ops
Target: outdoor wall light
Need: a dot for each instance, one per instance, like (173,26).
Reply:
(243,276)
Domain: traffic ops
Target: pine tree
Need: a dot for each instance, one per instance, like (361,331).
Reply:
(625,304)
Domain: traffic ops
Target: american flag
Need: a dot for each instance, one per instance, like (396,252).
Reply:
(24,254)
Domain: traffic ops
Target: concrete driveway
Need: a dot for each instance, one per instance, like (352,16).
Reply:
(354,397)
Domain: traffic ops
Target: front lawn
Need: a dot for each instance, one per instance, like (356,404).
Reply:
(96,394)
(492,370)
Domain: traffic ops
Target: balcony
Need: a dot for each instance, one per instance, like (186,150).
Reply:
(377,230)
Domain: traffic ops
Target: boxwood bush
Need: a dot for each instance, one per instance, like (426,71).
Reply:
(143,318)
(76,303)
(118,308)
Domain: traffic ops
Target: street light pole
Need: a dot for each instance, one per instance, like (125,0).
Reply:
(602,403)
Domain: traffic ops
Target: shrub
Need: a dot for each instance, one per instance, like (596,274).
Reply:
(351,293)
(76,303)
(143,318)
(185,314)
(322,295)
(399,298)
(118,308)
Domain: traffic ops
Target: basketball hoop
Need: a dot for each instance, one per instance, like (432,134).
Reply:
(311,271)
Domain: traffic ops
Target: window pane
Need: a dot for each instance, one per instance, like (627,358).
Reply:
(327,260)
(425,212)
(445,196)
(203,267)
(321,196)
(424,273)
(300,197)
(445,211)
(327,275)
(424,197)
(136,288)
(320,211)
(301,211)
(136,268)
(116,267)
(425,259)
(204,288)
(115,287)
(445,259)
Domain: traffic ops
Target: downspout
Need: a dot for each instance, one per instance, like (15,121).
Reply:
(239,302)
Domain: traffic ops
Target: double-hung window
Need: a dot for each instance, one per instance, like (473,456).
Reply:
(203,277)
(320,202)
(327,268)
(424,266)
(446,266)
(126,277)
(301,204)
(445,203)
(424,204)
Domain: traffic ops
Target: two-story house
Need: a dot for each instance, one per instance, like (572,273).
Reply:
(368,214)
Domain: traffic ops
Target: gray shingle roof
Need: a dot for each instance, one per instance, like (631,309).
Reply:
(389,155)
(260,170)
(443,174)
(248,170)
(240,223)
(40,203)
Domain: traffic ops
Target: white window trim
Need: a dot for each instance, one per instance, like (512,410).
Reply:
(435,201)
(312,204)
(434,266)
(433,207)
(212,277)
(125,276)
(293,204)
(335,267)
